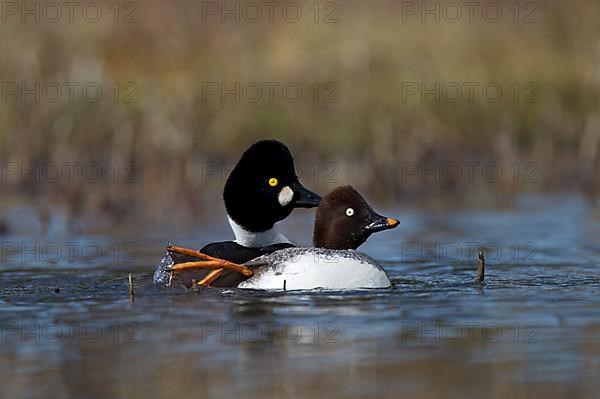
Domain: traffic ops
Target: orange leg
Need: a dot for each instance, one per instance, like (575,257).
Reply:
(212,276)
(206,262)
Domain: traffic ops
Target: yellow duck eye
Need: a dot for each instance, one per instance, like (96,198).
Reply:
(273,182)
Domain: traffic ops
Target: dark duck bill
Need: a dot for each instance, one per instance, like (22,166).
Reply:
(304,198)
(381,223)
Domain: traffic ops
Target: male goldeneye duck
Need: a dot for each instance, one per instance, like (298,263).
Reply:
(261,190)
(344,221)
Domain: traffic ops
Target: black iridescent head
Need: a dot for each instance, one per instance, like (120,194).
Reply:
(345,220)
(263,188)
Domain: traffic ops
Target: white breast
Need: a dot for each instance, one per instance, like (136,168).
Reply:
(256,239)
(310,268)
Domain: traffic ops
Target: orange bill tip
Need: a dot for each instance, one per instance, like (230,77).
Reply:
(392,222)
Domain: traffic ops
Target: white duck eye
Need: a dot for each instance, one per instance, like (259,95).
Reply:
(349,212)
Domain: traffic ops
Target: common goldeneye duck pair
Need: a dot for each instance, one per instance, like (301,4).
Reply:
(261,190)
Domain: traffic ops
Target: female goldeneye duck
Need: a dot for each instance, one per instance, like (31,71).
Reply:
(261,190)
(344,221)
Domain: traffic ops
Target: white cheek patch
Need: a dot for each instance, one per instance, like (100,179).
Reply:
(285,196)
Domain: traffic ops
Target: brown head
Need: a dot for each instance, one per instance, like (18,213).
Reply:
(345,220)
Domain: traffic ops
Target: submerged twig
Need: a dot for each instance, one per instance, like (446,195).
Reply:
(131,291)
(481,267)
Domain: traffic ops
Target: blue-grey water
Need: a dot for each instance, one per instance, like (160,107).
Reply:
(69,329)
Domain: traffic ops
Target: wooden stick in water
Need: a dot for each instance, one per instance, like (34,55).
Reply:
(481,267)
(131,291)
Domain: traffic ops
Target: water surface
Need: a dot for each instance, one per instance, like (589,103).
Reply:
(68,326)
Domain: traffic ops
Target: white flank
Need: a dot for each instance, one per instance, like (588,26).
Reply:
(310,270)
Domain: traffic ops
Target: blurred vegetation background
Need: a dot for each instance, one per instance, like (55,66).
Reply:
(164,139)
